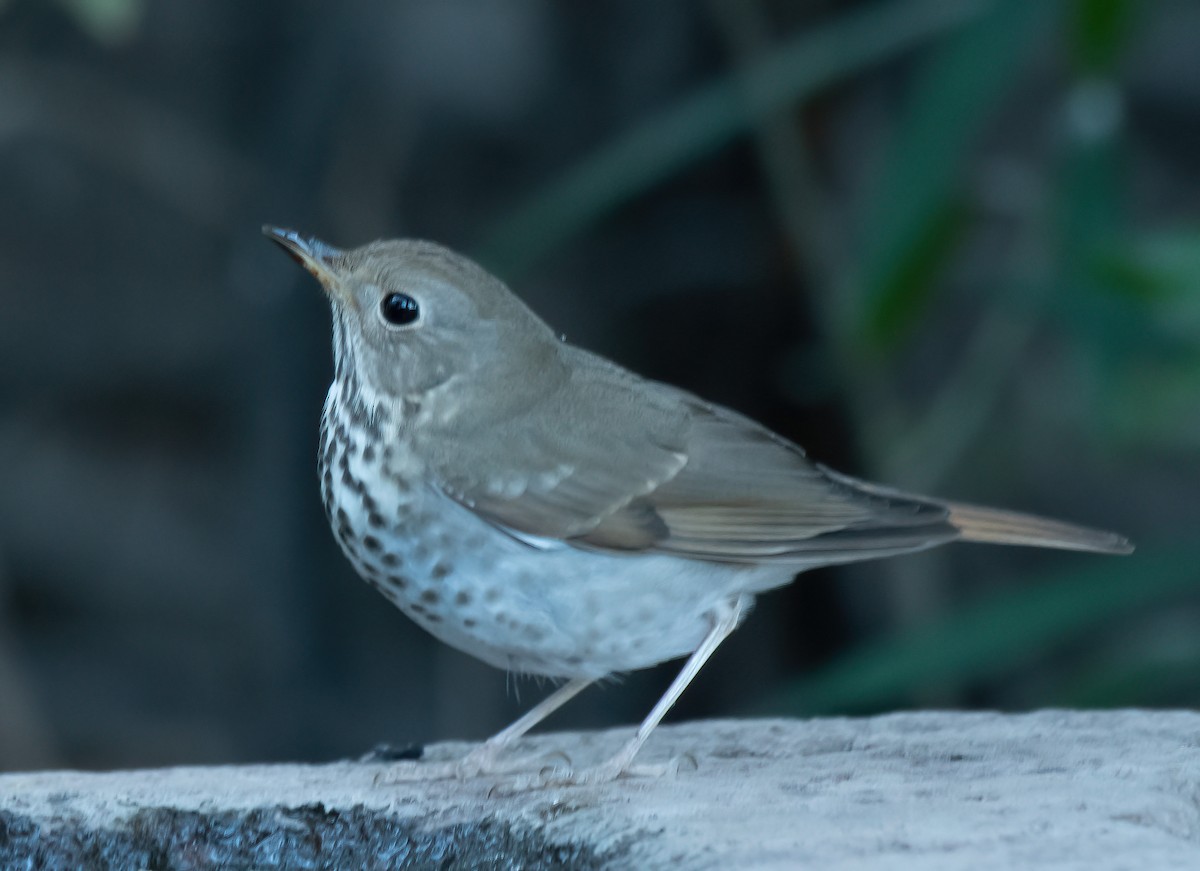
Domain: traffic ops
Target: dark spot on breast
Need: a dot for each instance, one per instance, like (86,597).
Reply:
(390,560)
(470,623)
(369,454)
(419,610)
(369,503)
(439,571)
(398,581)
(375,519)
(462,597)
(430,597)
(372,544)
(342,517)
(434,618)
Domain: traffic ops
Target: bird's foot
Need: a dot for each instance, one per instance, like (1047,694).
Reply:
(525,773)
(411,771)
(619,767)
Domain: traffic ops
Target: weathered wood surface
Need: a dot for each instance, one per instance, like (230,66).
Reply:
(1049,790)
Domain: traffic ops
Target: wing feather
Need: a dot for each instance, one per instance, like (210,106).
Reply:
(610,462)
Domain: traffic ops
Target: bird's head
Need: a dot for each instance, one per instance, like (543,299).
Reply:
(411,316)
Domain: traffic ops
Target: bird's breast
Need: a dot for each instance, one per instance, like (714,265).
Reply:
(557,611)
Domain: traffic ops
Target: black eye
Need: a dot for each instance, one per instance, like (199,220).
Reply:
(400,309)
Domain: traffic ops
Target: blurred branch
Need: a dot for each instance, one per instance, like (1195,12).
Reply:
(25,734)
(111,22)
(932,445)
(804,209)
(924,451)
(703,122)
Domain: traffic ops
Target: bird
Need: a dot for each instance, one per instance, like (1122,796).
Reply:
(552,513)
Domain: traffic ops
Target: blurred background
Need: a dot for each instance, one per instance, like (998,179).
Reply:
(952,246)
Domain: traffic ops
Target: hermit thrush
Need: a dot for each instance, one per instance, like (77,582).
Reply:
(552,513)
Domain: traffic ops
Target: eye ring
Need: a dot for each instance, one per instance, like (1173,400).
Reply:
(399,309)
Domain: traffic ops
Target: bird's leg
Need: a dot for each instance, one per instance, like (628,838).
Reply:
(482,759)
(725,620)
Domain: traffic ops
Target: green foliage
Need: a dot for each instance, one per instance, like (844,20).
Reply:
(916,217)
(1138,679)
(1158,268)
(1100,33)
(1153,401)
(997,635)
(676,138)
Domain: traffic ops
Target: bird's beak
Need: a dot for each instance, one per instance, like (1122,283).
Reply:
(311,253)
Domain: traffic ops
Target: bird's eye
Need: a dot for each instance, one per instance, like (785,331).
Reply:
(399,309)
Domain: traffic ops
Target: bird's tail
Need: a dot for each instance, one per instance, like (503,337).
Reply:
(997,526)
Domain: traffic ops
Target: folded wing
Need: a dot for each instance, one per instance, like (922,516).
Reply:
(609,462)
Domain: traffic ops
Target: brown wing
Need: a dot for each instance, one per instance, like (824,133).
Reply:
(747,494)
(607,461)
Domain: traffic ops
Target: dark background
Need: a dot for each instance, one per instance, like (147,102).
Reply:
(952,246)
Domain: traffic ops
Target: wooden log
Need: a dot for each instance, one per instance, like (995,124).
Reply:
(1047,790)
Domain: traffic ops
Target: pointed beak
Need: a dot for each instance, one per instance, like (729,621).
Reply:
(311,253)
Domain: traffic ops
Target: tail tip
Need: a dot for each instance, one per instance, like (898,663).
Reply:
(1120,545)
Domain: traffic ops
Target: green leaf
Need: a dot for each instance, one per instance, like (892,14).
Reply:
(955,93)
(699,124)
(1101,32)
(1155,267)
(910,285)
